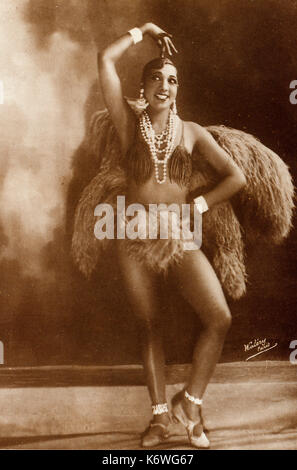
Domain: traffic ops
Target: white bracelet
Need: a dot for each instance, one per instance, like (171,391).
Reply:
(197,401)
(160,408)
(201,204)
(136,34)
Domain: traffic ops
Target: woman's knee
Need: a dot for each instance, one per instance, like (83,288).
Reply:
(225,320)
(219,320)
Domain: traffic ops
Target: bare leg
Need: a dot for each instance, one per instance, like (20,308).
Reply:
(141,287)
(201,288)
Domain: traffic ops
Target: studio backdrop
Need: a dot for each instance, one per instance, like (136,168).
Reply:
(237,64)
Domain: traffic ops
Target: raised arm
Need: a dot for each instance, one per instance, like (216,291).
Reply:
(233,179)
(121,114)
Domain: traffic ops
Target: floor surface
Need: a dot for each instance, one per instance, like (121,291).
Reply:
(249,414)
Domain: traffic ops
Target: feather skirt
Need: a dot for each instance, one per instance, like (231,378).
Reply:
(265,207)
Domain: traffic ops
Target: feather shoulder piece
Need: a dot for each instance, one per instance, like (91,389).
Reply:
(264,207)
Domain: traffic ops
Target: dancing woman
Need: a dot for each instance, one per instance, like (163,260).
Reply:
(151,156)
(157,151)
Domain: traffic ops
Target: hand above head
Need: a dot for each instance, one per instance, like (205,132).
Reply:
(162,38)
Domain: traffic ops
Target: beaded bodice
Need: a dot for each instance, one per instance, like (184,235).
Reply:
(139,166)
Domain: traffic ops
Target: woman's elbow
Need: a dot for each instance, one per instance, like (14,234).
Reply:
(103,57)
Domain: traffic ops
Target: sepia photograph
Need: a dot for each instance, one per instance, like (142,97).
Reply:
(148,248)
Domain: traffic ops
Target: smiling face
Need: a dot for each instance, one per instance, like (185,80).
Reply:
(160,86)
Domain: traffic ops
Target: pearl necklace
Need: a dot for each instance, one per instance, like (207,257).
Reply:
(160,140)
(167,136)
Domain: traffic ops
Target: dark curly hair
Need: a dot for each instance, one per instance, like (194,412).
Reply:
(157,63)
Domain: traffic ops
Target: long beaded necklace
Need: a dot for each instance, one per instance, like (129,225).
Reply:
(160,139)
(156,142)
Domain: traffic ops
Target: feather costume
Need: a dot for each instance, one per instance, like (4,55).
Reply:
(262,209)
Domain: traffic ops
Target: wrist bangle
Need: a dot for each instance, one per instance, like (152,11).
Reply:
(201,204)
(136,34)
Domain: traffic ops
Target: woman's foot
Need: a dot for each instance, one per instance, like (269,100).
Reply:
(157,431)
(189,414)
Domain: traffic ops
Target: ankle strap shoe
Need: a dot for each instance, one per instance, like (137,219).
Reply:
(155,434)
(196,434)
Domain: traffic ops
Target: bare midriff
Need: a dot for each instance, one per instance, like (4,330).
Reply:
(151,192)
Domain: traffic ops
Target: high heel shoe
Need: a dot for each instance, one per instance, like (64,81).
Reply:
(157,431)
(196,434)
(155,434)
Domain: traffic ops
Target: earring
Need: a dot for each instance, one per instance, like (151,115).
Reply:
(173,107)
(142,102)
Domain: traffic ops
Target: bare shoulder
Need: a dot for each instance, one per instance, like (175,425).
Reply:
(195,134)
(196,130)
